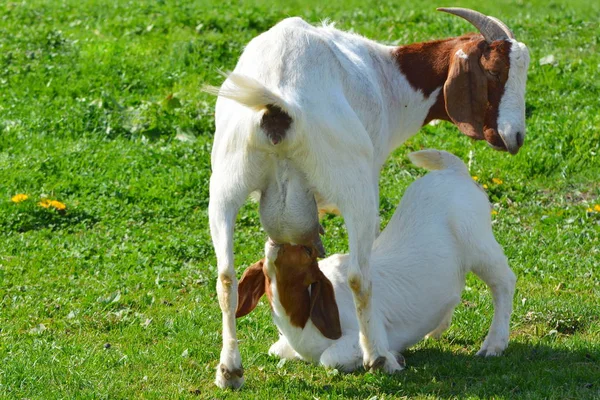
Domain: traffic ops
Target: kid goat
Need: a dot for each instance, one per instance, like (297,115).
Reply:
(333,105)
(440,232)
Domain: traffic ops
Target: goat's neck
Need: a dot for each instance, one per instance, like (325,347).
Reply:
(425,66)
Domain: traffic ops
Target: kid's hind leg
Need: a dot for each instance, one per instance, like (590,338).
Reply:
(229,188)
(345,354)
(283,349)
(443,326)
(496,273)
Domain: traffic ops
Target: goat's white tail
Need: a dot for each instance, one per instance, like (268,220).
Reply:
(437,159)
(247,91)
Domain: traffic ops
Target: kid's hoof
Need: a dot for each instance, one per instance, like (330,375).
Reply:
(227,378)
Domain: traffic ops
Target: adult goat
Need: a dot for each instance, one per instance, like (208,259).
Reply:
(333,105)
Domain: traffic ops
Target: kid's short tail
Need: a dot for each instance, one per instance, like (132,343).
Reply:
(437,160)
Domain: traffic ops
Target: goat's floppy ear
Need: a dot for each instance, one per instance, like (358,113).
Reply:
(323,307)
(250,288)
(465,91)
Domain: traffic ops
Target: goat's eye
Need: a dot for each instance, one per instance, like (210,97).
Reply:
(307,250)
(494,73)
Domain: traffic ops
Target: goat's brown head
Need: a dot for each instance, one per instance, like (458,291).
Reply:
(294,269)
(485,89)
(483,78)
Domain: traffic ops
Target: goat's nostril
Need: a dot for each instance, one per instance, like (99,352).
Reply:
(520,138)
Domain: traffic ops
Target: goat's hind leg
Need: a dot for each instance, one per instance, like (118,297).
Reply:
(228,191)
(443,326)
(350,187)
(361,222)
(496,273)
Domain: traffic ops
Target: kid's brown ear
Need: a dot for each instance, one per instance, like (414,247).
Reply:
(250,288)
(465,91)
(323,308)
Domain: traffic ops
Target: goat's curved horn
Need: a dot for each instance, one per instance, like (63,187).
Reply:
(491,28)
(505,28)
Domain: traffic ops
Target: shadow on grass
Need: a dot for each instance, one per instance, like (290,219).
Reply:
(524,371)
(40,218)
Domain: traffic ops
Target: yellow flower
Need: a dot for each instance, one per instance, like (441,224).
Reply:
(475,178)
(17,198)
(497,181)
(44,203)
(597,207)
(58,205)
(494,212)
(589,209)
(485,186)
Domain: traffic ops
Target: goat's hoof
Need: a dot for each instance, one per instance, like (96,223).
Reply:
(401,361)
(390,363)
(229,378)
(375,365)
(487,352)
(493,347)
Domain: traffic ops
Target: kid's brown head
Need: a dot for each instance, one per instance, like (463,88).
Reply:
(302,289)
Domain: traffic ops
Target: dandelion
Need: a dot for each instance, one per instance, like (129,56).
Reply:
(497,181)
(475,178)
(19,198)
(485,186)
(597,208)
(494,212)
(589,209)
(58,205)
(46,203)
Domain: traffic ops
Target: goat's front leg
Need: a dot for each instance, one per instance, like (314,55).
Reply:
(225,202)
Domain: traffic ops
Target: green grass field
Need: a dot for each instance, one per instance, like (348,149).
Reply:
(114,296)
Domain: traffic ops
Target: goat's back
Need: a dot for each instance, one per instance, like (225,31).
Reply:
(442,205)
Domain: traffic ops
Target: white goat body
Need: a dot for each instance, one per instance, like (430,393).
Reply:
(440,232)
(333,105)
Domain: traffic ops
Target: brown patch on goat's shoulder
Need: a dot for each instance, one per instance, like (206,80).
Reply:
(275,123)
(426,66)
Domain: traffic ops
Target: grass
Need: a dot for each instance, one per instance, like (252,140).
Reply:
(114,297)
